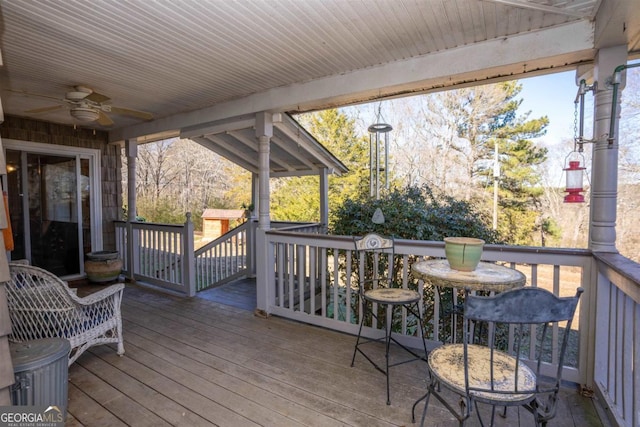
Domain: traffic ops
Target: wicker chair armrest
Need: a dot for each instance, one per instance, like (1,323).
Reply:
(98,296)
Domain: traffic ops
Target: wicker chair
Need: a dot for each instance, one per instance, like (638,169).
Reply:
(41,305)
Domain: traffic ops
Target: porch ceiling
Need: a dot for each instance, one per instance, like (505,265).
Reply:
(196,63)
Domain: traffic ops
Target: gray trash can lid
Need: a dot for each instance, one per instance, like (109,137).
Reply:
(29,355)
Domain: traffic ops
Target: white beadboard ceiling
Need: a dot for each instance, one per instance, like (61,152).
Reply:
(196,62)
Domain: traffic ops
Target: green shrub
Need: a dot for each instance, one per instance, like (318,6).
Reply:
(416,213)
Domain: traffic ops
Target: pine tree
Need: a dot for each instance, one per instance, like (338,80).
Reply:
(297,199)
(520,210)
(456,136)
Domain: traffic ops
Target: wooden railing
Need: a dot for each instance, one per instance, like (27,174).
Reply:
(163,254)
(617,338)
(225,258)
(158,254)
(299,227)
(311,279)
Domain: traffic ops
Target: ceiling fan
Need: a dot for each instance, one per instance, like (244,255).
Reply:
(86,105)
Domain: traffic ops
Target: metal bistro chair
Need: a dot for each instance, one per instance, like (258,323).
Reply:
(375,256)
(505,354)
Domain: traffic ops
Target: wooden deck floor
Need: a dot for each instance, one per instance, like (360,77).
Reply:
(196,362)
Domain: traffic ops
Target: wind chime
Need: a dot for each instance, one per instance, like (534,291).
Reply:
(378,156)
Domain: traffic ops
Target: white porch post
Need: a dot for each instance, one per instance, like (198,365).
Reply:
(264,132)
(263,251)
(255,193)
(131,150)
(324,198)
(188,258)
(604,165)
(251,229)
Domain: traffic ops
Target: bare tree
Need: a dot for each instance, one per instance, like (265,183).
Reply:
(154,173)
(422,146)
(177,176)
(204,177)
(629,129)
(627,239)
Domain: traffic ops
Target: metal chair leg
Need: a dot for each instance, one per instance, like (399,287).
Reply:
(364,316)
(388,313)
(388,316)
(424,411)
(413,408)
(421,325)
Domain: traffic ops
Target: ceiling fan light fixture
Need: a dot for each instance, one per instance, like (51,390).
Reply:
(76,96)
(85,114)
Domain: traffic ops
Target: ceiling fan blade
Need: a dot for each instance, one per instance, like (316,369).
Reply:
(97,97)
(44,109)
(103,119)
(133,113)
(33,95)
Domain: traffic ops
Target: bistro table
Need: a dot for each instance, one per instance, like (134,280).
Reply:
(487,277)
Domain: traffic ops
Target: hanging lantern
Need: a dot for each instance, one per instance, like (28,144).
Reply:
(575,180)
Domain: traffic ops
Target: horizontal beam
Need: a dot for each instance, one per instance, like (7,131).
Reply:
(542,7)
(508,56)
(218,127)
(215,144)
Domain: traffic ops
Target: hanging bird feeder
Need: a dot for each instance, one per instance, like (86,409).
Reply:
(575,178)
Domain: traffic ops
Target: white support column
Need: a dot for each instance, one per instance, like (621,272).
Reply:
(255,194)
(324,198)
(263,252)
(264,132)
(251,229)
(188,258)
(604,165)
(131,149)
(133,261)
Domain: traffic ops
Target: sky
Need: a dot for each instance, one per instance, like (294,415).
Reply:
(552,95)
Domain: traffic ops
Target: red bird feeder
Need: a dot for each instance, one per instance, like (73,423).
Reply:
(574,182)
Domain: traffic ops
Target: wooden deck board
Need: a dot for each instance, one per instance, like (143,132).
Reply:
(95,402)
(240,365)
(83,410)
(157,408)
(199,362)
(210,377)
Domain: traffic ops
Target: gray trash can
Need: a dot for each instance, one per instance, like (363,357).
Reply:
(41,373)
